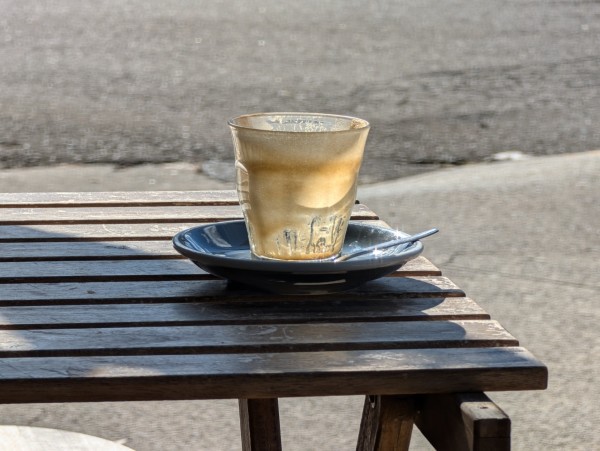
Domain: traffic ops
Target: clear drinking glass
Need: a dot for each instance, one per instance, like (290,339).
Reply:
(296,180)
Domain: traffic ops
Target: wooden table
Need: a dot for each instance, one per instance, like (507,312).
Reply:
(96,305)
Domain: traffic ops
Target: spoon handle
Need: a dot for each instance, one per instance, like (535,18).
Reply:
(367,250)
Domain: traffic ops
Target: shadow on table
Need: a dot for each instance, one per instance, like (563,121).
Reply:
(61,296)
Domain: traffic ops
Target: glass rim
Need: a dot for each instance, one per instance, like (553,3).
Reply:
(363,123)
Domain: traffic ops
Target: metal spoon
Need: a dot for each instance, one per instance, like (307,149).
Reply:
(385,245)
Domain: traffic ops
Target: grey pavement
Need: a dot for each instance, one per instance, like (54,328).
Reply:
(521,237)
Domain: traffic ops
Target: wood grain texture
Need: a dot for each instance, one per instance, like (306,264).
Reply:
(116,198)
(135,214)
(230,339)
(464,422)
(114,215)
(259,421)
(125,264)
(268,375)
(102,232)
(87,250)
(91,232)
(387,423)
(127,198)
(252,311)
(199,290)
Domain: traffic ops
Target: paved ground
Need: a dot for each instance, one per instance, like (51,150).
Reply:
(520,237)
(155,81)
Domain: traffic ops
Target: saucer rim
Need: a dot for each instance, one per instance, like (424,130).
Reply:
(324,266)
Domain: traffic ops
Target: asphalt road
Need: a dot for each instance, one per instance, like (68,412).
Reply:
(155,81)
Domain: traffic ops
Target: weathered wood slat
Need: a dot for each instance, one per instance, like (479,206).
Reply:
(240,312)
(109,250)
(419,266)
(101,271)
(130,198)
(116,198)
(138,268)
(387,423)
(17,252)
(259,422)
(214,376)
(90,232)
(101,232)
(463,422)
(184,290)
(94,270)
(132,214)
(253,338)
(112,215)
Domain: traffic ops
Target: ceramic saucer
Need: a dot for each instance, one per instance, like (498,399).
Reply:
(222,249)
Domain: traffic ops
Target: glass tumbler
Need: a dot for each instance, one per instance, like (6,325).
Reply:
(296,180)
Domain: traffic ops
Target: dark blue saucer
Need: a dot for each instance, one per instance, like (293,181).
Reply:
(222,249)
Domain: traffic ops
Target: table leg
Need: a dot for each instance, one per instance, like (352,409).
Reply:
(387,423)
(463,422)
(259,421)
